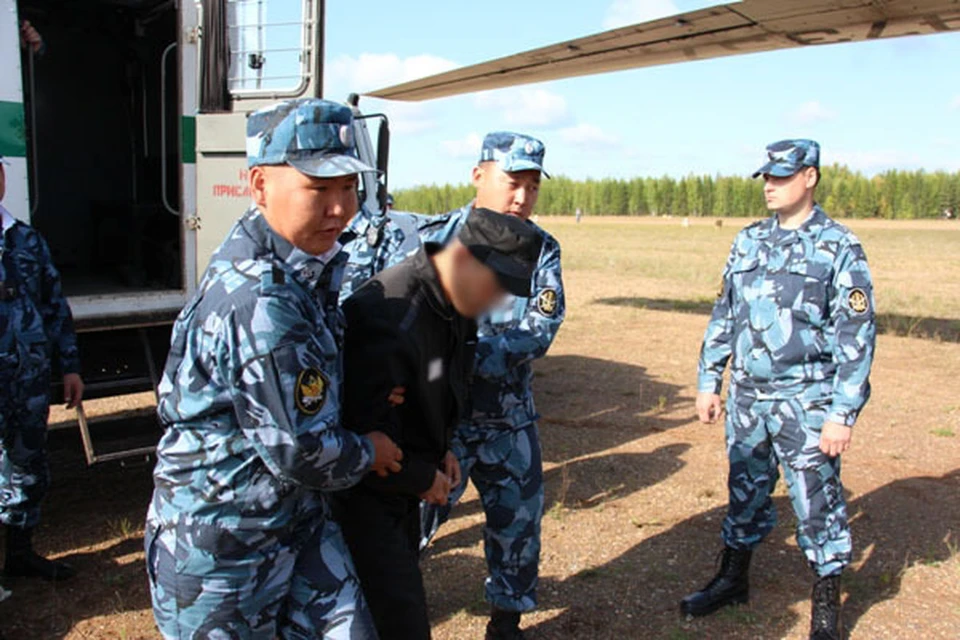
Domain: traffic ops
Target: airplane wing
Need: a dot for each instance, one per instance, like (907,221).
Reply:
(749,26)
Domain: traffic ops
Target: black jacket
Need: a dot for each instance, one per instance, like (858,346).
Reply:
(402,332)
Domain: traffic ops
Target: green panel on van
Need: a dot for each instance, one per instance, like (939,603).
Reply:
(13,133)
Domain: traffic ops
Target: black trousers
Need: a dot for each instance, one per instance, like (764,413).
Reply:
(383,533)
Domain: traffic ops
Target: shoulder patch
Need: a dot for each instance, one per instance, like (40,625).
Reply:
(311,392)
(858,301)
(547,302)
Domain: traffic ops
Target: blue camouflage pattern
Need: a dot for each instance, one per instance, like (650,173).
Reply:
(796,311)
(36,331)
(33,309)
(513,152)
(294,128)
(787,157)
(375,242)
(763,432)
(795,318)
(303,587)
(506,467)
(250,403)
(498,444)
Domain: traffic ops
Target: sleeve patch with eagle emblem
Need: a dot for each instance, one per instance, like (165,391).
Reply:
(858,301)
(311,392)
(547,302)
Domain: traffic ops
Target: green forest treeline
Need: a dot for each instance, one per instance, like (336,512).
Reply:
(843,193)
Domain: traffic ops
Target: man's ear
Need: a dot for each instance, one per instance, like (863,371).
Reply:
(813,177)
(258,185)
(476,176)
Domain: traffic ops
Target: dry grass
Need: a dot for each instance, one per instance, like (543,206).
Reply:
(637,487)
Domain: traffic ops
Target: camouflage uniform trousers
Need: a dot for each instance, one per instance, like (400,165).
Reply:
(301,587)
(764,432)
(506,467)
(24,409)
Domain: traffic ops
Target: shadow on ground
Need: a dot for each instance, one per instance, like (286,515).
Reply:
(585,483)
(909,522)
(939,329)
(899,525)
(100,510)
(589,405)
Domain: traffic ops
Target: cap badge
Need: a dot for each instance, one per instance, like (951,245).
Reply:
(346,135)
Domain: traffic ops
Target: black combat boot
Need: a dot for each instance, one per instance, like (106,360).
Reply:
(825,609)
(23,561)
(504,625)
(731,585)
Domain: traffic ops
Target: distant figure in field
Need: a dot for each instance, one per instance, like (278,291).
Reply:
(795,318)
(579,214)
(718,223)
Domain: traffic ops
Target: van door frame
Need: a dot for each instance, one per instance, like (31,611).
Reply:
(220,172)
(13,142)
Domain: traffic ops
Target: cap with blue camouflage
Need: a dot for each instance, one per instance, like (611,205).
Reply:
(787,157)
(311,135)
(513,152)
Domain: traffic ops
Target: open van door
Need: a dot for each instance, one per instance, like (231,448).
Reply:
(251,53)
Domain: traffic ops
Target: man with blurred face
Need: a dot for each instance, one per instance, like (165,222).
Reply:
(498,444)
(795,317)
(412,326)
(240,542)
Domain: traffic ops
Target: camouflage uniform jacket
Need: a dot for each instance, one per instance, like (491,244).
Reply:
(33,311)
(796,314)
(510,337)
(251,395)
(373,243)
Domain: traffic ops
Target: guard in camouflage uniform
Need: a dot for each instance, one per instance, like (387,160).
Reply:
(239,539)
(36,331)
(374,242)
(795,318)
(498,446)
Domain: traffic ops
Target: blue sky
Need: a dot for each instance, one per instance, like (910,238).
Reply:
(873,106)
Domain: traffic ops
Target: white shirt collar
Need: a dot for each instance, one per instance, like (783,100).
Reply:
(6,219)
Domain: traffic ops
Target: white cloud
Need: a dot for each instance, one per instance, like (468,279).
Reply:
(526,107)
(874,160)
(622,13)
(370,71)
(588,135)
(468,147)
(956,103)
(811,112)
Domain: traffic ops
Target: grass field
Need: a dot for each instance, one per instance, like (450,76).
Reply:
(635,487)
(915,264)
